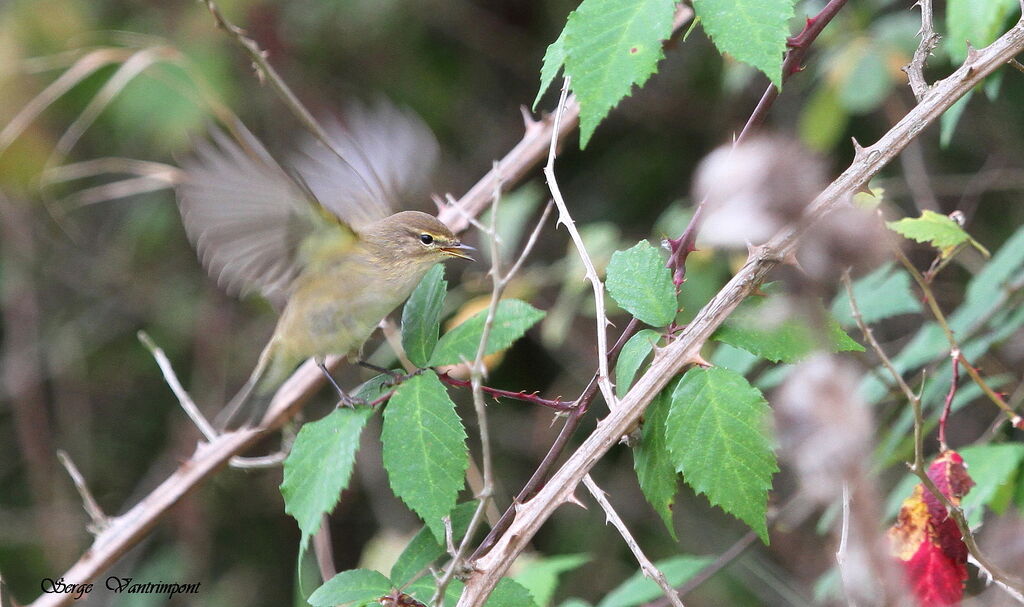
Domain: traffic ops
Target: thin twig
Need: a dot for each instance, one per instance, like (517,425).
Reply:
(603,377)
(184,399)
(555,404)
(649,569)
(954,383)
(500,282)
(940,318)
(92,508)
(929,40)
(798,46)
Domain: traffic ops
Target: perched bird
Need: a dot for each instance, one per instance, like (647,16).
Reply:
(321,244)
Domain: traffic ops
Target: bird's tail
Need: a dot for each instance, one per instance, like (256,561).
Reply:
(249,404)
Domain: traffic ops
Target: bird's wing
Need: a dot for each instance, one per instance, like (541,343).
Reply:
(245,216)
(389,155)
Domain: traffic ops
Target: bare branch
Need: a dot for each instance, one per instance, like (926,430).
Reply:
(645,563)
(929,40)
(96,514)
(184,399)
(603,377)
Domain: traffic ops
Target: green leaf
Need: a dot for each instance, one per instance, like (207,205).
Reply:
(632,355)
(992,467)
(718,433)
(752,31)
(936,229)
(353,588)
(425,449)
(510,593)
(655,468)
(511,320)
(319,466)
(540,577)
(641,284)
(423,549)
(787,341)
(975,22)
(609,46)
(881,294)
(554,59)
(421,316)
(639,589)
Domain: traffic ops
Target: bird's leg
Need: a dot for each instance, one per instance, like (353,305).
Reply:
(373,367)
(345,399)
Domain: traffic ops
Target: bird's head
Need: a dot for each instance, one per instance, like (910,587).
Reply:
(415,238)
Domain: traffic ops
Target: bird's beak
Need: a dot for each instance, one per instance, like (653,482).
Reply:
(458,251)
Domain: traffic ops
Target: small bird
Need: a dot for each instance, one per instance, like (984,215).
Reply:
(321,244)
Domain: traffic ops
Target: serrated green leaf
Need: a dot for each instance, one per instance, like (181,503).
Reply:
(423,549)
(425,449)
(554,59)
(511,320)
(933,228)
(991,467)
(421,316)
(319,466)
(975,22)
(752,31)
(654,465)
(639,589)
(881,294)
(540,577)
(718,433)
(787,341)
(510,593)
(632,355)
(610,46)
(352,588)
(639,282)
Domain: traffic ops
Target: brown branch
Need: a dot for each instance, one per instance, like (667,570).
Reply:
(929,40)
(684,350)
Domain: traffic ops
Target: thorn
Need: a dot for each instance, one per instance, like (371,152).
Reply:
(1018,422)
(754,250)
(865,189)
(699,360)
(572,499)
(438,202)
(972,53)
(858,149)
(790,260)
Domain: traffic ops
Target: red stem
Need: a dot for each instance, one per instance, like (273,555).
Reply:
(953,385)
(557,404)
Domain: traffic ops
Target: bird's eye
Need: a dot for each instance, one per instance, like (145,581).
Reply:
(426,239)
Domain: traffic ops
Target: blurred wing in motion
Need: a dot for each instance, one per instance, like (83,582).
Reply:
(389,155)
(245,216)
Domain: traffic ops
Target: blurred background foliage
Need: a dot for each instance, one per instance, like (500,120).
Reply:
(79,276)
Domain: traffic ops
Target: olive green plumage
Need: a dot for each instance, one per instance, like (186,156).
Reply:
(323,247)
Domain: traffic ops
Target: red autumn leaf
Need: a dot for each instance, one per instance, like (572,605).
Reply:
(927,541)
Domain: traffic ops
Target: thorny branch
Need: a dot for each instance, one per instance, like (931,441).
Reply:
(603,376)
(649,569)
(867,162)
(929,40)
(798,45)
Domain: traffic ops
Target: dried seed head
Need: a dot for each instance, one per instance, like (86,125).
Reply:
(755,188)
